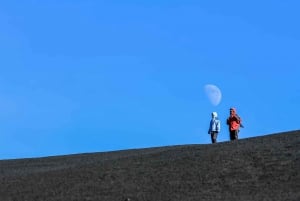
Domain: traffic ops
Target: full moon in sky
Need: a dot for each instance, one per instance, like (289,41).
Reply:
(213,93)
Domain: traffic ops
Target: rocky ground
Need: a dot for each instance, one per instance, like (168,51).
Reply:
(254,169)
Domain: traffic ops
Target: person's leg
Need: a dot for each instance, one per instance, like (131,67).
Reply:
(231,135)
(236,134)
(214,137)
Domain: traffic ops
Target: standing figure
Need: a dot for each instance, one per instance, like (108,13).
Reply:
(214,127)
(234,123)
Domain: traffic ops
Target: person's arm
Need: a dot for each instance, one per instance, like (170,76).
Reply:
(218,126)
(209,128)
(238,119)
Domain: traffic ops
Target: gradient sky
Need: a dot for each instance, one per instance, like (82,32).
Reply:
(80,76)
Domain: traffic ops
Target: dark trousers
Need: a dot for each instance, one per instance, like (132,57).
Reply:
(234,135)
(214,136)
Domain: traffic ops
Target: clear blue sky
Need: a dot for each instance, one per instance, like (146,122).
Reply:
(81,76)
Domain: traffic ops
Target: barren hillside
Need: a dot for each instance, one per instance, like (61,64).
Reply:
(260,168)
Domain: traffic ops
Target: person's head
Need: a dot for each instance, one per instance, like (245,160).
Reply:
(232,111)
(214,114)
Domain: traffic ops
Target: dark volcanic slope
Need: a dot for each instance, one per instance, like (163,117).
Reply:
(261,168)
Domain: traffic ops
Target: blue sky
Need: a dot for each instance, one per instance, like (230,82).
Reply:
(92,76)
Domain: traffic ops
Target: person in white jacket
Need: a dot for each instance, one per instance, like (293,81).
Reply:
(214,127)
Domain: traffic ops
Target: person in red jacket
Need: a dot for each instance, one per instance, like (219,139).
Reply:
(234,124)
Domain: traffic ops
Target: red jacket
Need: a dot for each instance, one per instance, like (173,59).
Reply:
(234,121)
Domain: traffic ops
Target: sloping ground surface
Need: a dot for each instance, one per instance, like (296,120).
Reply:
(261,168)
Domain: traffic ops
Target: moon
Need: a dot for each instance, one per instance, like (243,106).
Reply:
(213,93)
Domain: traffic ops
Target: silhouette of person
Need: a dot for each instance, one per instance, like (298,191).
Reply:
(214,127)
(234,124)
